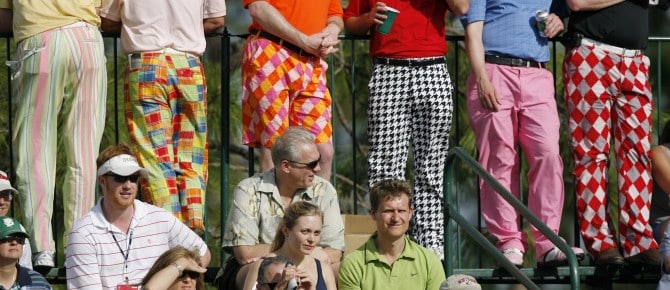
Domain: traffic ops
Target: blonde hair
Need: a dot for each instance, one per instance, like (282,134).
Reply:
(293,212)
(171,256)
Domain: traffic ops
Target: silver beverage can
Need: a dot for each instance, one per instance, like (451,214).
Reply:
(541,21)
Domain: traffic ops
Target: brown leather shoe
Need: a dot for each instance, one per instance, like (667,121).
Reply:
(610,256)
(648,257)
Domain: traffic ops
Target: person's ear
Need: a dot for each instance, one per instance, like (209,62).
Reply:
(284,166)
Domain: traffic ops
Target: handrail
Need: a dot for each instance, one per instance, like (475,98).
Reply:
(453,213)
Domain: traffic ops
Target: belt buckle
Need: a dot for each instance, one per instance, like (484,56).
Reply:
(518,62)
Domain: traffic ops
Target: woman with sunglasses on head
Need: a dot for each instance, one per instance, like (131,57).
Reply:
(298,234)
(177,268)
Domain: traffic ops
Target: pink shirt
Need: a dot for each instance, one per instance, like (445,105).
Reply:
(151,25)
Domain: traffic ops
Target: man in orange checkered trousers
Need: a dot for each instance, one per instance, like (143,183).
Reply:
(284,74)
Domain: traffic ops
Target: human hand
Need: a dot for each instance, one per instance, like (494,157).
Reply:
(554,25)
(190,265)
(377,14)
(488,97)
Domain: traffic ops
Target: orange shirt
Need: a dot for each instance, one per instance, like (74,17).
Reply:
(308,16)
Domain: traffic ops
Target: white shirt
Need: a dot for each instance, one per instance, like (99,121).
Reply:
(153,25)
(96,250)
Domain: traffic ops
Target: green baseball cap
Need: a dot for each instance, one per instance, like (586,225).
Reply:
(11,227)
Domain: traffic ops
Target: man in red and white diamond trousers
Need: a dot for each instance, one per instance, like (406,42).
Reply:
(608,95)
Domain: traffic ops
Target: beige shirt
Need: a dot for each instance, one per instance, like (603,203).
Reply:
(152,25)
(36,16)
(257,210)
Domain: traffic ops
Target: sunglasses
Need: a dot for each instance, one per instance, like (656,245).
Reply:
(6,195)
(191,274)
(310,165)
(122,179)
(18,240)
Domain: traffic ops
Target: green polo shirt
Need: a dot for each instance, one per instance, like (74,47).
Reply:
(416,268)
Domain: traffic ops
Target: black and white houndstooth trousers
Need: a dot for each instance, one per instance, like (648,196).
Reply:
(412,104)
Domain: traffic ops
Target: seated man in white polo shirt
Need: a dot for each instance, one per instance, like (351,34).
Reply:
(120,238)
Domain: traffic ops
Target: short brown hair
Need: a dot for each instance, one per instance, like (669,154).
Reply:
(388,188)
(111,151)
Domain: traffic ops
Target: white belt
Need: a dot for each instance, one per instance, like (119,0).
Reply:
(611,48)
(76,24)
(167,50)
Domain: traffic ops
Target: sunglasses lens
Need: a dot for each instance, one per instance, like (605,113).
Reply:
(191,274)
(122,179)
(18,240)
(313,164)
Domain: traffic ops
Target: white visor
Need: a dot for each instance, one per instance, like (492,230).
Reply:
(5,185)
(123,165)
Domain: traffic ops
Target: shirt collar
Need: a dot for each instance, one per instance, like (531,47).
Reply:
(22,276)
(372,253)
(98,218)
(268,185)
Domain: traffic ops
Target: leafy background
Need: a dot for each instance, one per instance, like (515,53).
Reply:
(348,76)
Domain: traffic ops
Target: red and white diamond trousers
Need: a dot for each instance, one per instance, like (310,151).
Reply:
(609,94)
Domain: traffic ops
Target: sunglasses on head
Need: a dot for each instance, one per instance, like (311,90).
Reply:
(18,240)
(191,274)
(310,165)
(122,179)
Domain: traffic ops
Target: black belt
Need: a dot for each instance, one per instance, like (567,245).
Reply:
(278,40)
(512,61)
(408,62)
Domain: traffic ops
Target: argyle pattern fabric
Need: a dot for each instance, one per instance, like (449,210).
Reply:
(609,94)
(412,105)
(282,89)
(166,110)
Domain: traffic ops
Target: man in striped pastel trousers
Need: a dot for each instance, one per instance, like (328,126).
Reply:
(60,83)
(165,96)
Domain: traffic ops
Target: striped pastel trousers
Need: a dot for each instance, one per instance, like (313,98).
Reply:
(60,85)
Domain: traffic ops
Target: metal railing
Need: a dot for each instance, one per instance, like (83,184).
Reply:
(348,74)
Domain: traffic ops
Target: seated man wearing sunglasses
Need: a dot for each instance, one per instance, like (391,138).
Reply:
(114,245)
(13,276)
(259,204)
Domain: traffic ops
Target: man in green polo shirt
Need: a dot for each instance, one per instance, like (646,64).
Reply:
(389,259)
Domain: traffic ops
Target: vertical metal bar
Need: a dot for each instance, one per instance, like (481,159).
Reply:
(10,112)
(354,161)
(116,86)
(225,131)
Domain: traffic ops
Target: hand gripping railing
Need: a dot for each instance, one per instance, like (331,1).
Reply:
(452,213)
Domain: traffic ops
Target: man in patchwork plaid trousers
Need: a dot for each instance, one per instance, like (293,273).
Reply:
(605,76)
(165,96)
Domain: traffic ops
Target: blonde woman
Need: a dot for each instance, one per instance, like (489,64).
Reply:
(177,268)
(298,234)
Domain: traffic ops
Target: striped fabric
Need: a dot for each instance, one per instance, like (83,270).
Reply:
(94,259)
(282,89)
(61,88)
(166,111)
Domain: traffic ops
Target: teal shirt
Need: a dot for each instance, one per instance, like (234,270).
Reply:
(416,268)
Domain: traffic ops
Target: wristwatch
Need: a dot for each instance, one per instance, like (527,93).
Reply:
(180,268)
